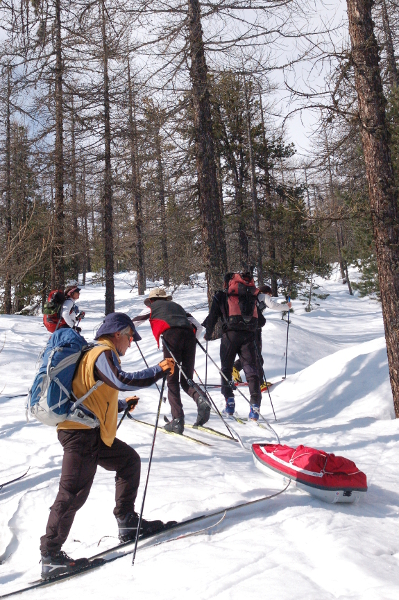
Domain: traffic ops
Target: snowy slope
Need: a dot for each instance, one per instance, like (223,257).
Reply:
(336,397)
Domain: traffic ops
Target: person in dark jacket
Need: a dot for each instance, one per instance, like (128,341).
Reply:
(178,328)
(264,299)
(238,337)
(88,446)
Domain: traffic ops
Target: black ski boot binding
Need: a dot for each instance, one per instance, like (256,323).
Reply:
(128,527)
(175,426)
(59,563)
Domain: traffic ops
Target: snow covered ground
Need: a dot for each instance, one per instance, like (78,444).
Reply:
(336,397)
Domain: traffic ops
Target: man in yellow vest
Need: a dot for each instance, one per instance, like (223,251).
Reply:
(86,446)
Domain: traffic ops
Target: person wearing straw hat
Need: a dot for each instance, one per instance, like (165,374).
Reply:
(179,329)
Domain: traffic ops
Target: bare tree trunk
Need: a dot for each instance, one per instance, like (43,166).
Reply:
(7,282)
(237,171)
(380,176)
(220,182)
(86,261)
(340,258)
(58,246)
(254,194)
(53,283)
(107,194)
(74,200)
(389,48)
(136,192)
(242,234)
(161,195)
(213,237)
(342,242)
(268,207)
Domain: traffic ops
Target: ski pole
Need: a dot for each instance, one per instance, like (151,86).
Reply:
(286,345)
(192,383)
(218,412)
(149,468)
(234,387)
(146,364)
(264,375)
(231,384)
(206,364)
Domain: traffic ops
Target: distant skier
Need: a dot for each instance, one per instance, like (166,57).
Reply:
(264,299)
(236,306)
(87,446)
(179,330)
(70,313)
(60,310)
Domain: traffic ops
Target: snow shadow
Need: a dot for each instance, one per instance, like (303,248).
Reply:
(362,375)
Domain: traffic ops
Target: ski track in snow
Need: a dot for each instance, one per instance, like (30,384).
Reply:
(336,397)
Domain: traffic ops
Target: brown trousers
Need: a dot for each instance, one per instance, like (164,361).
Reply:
(83,451)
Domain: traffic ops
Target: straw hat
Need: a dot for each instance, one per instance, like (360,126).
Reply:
(157,294)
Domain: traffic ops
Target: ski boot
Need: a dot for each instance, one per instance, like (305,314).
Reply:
(230,407)
(59,563)
(175,426)
(236,375)
(263,386)
(127,527)
(204,412)
(254,412)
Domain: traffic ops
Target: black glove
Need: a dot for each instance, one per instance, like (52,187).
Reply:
(132,402)
(80,315)
(129,403)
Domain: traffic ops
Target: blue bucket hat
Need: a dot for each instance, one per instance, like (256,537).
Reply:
(115,322)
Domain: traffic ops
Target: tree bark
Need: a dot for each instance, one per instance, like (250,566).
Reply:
(107,194)
(238,172)
(86,261)
(58,246)
(7,282)
(213,238)
(74,199)
(380,176)
(389,48)
(254,194)
(161,196)
(136,191)
(268,207)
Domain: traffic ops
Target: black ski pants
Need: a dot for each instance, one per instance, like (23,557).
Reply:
(243,344)
(258,342)
(182,343)
(83,451)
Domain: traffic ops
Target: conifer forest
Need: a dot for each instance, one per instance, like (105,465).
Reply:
(160,137)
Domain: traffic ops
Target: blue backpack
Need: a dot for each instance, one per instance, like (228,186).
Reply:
(50,399)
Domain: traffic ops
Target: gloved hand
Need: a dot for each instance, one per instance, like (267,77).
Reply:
(80,315)
(168,364)
(207,338)
(129,403)
(78,329)
(132,402)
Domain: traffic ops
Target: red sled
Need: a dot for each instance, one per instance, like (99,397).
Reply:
(328,477)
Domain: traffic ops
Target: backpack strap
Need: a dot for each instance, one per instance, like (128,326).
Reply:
(86,395)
